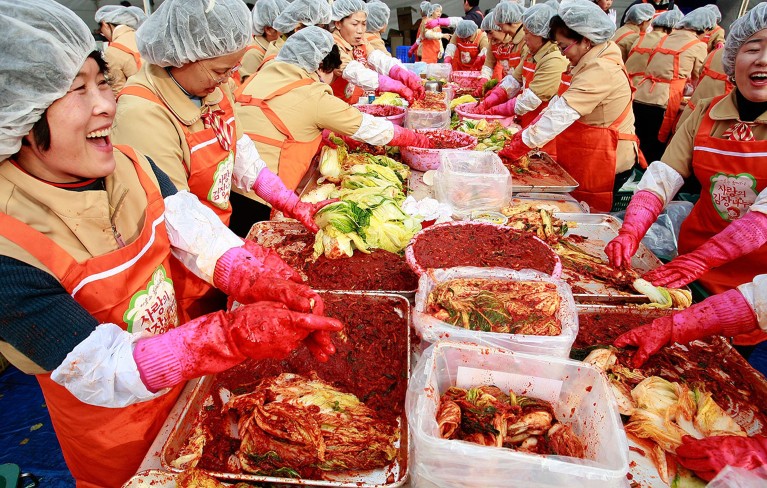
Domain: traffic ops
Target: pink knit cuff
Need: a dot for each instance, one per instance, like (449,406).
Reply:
(225,265)
(158,365)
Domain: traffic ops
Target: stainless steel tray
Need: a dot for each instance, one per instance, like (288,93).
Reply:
(553,177)
(391,476)
(559,202)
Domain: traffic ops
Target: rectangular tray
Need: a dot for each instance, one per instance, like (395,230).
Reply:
(554,180)
(379,478)
(562,202)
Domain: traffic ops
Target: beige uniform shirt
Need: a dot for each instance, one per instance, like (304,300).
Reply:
(376,42)
(707,87)
(121,64)
(253,56)
(482,41)
(625,37)
(717,37)
(600,92)
(637,61)
(678,154)
(662,66)
(305,110)
(156,130)
(550,64)
(347,51)
(272,51)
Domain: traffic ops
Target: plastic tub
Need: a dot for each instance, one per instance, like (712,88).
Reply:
(423,159)
(418,67)
(397,118)
(581,399)
(465,114)
(427,119)
(466,81)
(431,330)
(438,72)
(470,181)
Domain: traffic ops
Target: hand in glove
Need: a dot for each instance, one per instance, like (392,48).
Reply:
(727,314)
(515,148)
(271,188)
(478,63)
(442,22)
(447,60)
(497,95)
(741,237)
(411,80)
(407,137)
(506,109)
(220,340)
(480,91)
(386,84)
(272,262)
(350,143)
(642,211)
(706,457)
(413,49)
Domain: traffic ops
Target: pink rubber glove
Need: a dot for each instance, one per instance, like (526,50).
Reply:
(478,63)
(448,60)
(480,89)
(386,84)
(409,138)
(506,108)
(411,80)
(497,95)
(220,340)
(271,188)
(726,314)
(741,237)
(706,457)
(413,49)
(272,262)
(438,22)
(642,211)
(515,148)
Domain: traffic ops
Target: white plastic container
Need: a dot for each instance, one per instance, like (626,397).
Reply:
(431,330)
(581,399)
(470,181)
(438,72)
(428,119)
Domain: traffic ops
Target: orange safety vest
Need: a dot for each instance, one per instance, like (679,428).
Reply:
(466,51)
(675,89)
(295,156)
(639,49)
(105,446)
(209,176)
(528,74)
(732,174)
(126,49)
(709,72)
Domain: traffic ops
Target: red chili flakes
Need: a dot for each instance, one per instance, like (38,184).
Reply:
(380,110)
(432,101)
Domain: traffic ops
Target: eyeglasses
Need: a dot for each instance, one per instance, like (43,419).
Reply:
(564,50)
(222,80)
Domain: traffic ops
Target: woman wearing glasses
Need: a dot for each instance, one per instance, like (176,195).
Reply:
(179,110)
(591,119)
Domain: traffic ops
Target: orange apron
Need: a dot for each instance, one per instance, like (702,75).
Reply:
(506,59)
(675,87)
(130,287)
(590,154)
(430,48)
(126,49)
(344,90)
(711,73)
(236,75)
(707,37)
(639,49)
(528,74)
(466,51)
(732,174)
(626,34)
(295,156)
(209,176)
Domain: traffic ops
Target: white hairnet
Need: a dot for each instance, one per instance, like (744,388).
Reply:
(639,13)
(304,12)
(133,17)
(508,13)
(264,13)
(536,19)
(345,8)
(44,45)
(587,19)
(378,16)
(184,31)
(716,10)
(465,28)
(307,48)
(700,19)
(740,31)
(141,16)
(425,6)
(668,19)
(488,23)
(104,11)
(553,4)
(433,8)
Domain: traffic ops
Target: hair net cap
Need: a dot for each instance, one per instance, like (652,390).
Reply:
(700,19)
(488,23)
(307,48)
(668,19)
(433,8)
(378,16)
(587,19)
(133,17)
(639,13)
(536,19)
(103,12)
(465,28)
(185,31)
(508,13)
(425,6)
(345,8)
(716,10)
(140,15)
(264,13)
(44,45)
(740,31)
(304,12)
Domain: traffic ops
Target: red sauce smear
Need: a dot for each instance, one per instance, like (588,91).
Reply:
(432,102)
(448,139)
(381,110)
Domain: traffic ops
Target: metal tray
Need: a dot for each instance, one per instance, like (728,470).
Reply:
(379,478)
(562,202)
(557,180)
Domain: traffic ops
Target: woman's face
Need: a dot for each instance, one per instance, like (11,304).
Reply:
(202,77)
(605,4)
(573,50)
(751,67)
(352,28)
(437,13)
(534,43)
(271,34)
(106,31)
(80,123)
(509,28)
(496,36)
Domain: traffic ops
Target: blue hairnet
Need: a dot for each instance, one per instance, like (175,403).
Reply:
(304,12)
(740,31)
(536,19)
(345,8)
(425,6)
(639,13)
(587,19)
(378,16)
(700,19)
(119,15)
(264,13)
(307,48)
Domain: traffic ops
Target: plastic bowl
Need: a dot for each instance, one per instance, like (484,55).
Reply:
(464,114)
(466,81)
(397,118)
(422,159)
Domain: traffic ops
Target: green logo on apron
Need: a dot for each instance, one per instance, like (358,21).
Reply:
(153,309)
(732,195)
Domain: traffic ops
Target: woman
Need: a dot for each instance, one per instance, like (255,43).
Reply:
(415,49)
(467,48)
(286,107)
(606,6)
(85,242)
(721,243)
(506,52)
(714,38)
(640,51)
(118,25)
(676,61)
(364,69)
(638,18)
(537,79)
(378,20)
(591,120)
(431,38)
(264,13)
(713,82)
(179,110)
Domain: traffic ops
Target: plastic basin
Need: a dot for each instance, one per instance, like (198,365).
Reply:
(397,118)
(422,159)
(465,114)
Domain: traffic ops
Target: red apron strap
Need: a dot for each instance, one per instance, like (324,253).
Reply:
(269,113)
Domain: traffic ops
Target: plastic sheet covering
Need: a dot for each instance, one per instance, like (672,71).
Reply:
(663,235)
(472,181)
(731,477)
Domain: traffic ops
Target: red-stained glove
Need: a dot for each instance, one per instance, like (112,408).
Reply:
(506,108)
(413,49)
(407,137)
(478,63)
(411,80)
(642,211)
(273,264)
(447,60)
(269,187)
(480,91)
(741,237)
(497,95)
(727,314)
(386,84)
(515,148)
(438,22)
(220,340)
(350,143)
(706,457)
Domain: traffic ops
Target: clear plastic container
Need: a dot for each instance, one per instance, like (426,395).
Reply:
(431,330)
(438,72)
(427,119)
(581,398)
(469,181)
(418,67)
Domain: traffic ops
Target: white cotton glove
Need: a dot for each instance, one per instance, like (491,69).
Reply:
(382,63)
(247,164)
(527,101)
(357,74)
(511,85)
(661,179)
(557,117)
(374,130)
(755,293)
